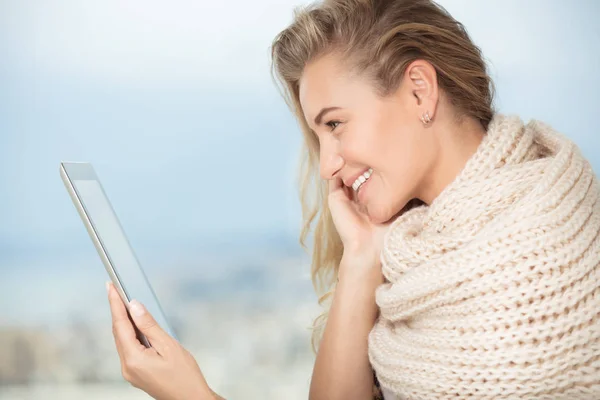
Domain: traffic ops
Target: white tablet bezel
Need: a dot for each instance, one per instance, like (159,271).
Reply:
(72,171)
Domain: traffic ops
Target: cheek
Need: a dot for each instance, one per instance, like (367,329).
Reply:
(391,190)
(365,144)
(401,155)
(386,141)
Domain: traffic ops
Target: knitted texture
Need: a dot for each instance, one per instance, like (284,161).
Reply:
(493,290)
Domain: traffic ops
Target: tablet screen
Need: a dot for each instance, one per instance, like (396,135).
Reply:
(117,248)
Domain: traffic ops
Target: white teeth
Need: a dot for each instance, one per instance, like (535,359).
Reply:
(362,179)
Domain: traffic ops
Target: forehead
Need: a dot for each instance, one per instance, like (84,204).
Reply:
(324,83)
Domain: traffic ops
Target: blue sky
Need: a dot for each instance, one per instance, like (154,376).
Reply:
(174,104)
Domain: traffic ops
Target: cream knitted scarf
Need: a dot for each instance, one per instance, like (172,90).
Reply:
(494,288)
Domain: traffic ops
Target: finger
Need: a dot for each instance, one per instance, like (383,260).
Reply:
(123,331)
(339,191)
(114,312)
(146,323)
(335,184)
(342,193)
(350,193)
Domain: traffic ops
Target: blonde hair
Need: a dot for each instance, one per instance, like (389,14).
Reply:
(377,39)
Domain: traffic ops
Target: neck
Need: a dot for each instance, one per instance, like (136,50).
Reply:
(457,145)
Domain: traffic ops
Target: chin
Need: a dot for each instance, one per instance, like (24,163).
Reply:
(379,215)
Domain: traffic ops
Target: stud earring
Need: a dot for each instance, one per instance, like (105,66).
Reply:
(425,118)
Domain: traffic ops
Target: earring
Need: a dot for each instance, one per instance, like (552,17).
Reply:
(425,118)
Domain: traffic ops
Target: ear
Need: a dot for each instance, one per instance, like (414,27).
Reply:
(421,79)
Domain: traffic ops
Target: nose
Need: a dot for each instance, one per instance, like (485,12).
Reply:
(330,159)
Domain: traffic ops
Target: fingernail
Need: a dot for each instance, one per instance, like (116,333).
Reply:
(108,286)
(136,308)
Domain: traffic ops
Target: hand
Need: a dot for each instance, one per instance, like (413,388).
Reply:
(362,239)
(166,371)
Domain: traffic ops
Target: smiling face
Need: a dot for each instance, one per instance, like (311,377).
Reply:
(361,132)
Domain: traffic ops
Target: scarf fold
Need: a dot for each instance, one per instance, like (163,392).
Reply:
(493,290)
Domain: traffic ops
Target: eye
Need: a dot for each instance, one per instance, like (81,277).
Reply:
(333,124)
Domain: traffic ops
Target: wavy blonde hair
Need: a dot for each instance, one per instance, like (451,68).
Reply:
(377,39)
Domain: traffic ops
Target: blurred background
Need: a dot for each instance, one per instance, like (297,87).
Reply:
(174,105)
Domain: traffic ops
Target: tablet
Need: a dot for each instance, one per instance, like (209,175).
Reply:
(108,237)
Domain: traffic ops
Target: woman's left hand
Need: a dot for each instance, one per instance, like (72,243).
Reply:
(166,371)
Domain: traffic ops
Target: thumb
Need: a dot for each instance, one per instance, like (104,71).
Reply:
(342,206)
(146,323)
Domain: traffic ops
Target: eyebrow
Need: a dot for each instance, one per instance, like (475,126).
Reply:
(322,113)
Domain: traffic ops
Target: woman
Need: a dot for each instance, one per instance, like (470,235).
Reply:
(458,248)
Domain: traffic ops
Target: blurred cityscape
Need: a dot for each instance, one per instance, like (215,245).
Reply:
(246,322)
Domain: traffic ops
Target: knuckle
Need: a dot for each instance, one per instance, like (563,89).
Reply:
(131,365)
(130,378)
(130,368)
(126,374)
(148,323)
(117,329)
(168,347)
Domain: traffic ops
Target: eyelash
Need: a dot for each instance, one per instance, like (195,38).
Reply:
(330,123)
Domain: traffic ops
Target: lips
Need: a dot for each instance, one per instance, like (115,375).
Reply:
(350,181)
(362,180)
